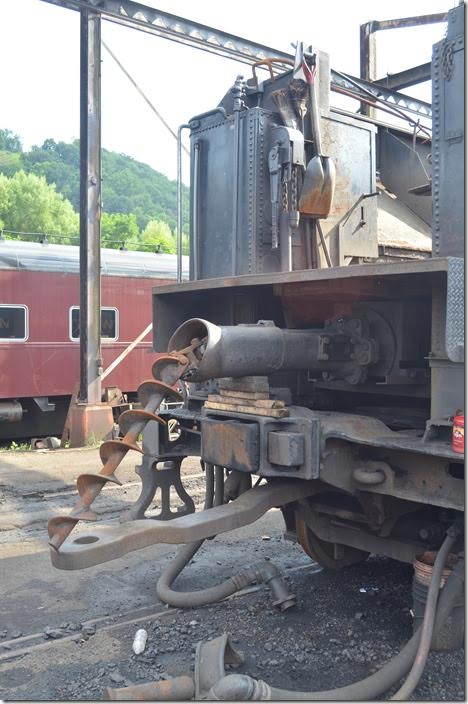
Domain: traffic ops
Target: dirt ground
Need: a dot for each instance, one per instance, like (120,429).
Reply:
(68,635)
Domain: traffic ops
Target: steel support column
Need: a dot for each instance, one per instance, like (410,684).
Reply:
(90,208)
(368,53)
(90,420)
(368,60)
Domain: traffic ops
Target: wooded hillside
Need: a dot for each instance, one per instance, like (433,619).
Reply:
(139,203)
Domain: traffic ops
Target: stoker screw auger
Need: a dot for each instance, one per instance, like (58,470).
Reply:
(167,370)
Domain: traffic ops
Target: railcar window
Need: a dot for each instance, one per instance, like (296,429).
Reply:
(13,323)
(109,323)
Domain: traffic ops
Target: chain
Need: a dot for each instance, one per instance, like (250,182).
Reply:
(284,196)
(447,60)
(294,188)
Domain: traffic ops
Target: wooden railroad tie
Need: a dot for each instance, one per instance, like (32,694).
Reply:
(247,395)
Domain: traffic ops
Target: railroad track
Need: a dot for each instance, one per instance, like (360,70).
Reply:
(32,511)
(24,645)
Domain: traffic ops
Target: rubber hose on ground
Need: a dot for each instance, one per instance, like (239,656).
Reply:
(220,591)
(427,626)
(245,688)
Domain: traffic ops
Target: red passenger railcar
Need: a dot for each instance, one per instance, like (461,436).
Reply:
(39,328)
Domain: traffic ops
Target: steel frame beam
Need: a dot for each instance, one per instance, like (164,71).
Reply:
(401,22)
(90,207)
(168,26)
(407,78)
(368,52)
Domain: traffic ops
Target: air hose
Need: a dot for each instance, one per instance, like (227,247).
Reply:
(265,572)
(427,626)
(244,688)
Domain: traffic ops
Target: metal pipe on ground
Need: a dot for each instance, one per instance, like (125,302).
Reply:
(173,690)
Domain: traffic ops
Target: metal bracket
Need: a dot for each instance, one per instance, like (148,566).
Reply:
(357,232)
(165,477)
(43,403)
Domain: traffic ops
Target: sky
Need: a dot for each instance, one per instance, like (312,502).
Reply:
(39,53)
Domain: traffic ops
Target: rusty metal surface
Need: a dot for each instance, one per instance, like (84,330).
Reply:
(335,531)
(90,210)
(365,430)
(232,444)
(364,271)
(151,394)
(405,163)
(429,479)
(108,542)
(400,22)
(448,151)
(246,299)
(210,659)
(171,690)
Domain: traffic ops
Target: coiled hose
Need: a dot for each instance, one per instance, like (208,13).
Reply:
(264,572)
(245,688)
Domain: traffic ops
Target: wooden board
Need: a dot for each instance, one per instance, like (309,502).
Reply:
(250,395)
(272,412)
(257,403)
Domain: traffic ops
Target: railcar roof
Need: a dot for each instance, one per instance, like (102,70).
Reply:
(33,256)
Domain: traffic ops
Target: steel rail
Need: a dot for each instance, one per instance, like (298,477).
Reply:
(215,41)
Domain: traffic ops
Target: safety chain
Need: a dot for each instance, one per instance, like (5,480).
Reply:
(284,196)
(447,60)
(294,188)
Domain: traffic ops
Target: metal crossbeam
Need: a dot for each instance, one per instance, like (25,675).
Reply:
(180,29)
(215,41)
(391,97)
(401,22)
(407,78)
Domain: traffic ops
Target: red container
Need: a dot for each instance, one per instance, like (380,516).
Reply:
(458,433)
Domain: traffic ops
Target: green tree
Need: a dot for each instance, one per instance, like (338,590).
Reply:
(10,142)
(10,162)
(158,234)
(29,204)
(129,187)
(119,228)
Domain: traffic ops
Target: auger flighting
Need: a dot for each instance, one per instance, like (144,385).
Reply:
(167,371)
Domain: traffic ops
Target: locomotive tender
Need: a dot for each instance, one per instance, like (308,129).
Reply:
(310,360)
(380,372)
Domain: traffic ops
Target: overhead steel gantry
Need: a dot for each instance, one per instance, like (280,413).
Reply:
(91,420)
(199,36)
